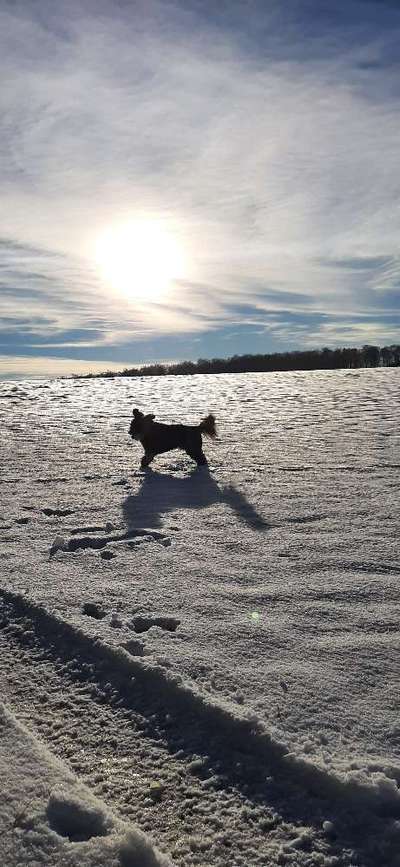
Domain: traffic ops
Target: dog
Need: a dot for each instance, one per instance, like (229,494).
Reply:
(157,438)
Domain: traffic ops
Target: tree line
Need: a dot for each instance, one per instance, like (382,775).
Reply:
(310,359)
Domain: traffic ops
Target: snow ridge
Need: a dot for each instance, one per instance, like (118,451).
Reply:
(376,792)
(59,815)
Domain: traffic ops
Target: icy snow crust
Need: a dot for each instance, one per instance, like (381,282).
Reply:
(248,615)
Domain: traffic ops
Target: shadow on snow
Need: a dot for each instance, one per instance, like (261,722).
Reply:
(161,493)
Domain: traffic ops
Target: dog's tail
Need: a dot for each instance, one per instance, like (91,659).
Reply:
(207,426)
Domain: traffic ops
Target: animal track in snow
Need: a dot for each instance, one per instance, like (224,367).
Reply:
(134,647)
(92,609)
(90,529)
(59,513)
(142,623)
(45,481)
(75,820)
(136,536)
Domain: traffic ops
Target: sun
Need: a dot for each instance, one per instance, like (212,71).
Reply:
(140,259)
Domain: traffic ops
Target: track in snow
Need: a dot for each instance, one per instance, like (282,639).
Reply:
(202,792)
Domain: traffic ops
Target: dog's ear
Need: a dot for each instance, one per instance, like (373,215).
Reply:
(137,414)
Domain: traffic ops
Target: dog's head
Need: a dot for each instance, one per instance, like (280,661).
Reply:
(139,424)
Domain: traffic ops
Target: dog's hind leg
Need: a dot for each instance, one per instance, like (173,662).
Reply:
(197,456)
(146,459)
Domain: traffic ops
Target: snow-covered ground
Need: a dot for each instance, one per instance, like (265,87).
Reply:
(213,653)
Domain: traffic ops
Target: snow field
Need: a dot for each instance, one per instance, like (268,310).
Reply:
(257,602)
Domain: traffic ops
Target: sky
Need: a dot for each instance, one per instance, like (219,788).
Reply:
(191,179)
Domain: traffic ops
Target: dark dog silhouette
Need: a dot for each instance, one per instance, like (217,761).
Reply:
(157,438)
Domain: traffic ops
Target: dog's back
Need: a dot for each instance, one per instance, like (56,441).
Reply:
(158,437)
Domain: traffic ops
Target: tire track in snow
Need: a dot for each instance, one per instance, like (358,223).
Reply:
(200,787)
(81,711)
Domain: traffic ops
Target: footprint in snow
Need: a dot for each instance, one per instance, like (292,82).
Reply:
(143,623)
(59,513)
(134,647)
(92,609)
(131,538)
(71,817)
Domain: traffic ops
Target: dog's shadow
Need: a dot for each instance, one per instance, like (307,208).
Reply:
(161,493)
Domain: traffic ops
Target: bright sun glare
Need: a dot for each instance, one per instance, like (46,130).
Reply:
(141,259)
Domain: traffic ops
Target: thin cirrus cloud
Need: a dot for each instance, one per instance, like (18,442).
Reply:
(263,135)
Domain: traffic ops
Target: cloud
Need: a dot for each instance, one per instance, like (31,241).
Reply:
(264,139)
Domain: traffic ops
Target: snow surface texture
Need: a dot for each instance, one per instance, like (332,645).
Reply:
(214,653)
(47,817)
